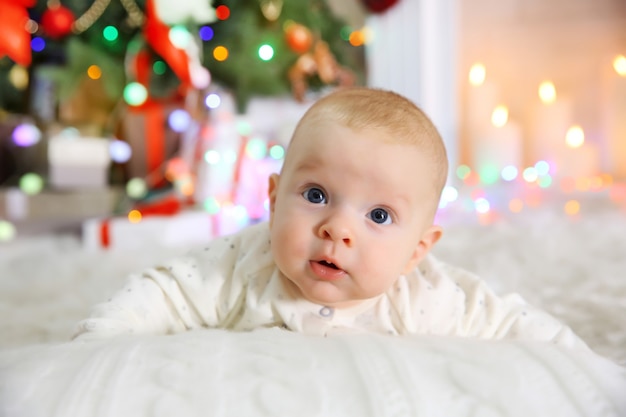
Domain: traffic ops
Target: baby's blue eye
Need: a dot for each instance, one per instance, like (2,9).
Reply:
(314,195)
(380,216)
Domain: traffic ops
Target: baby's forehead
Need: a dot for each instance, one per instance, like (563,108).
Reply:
(320,130)
(314,143)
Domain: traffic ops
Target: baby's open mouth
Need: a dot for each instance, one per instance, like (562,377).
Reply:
(327,271)
(328,264)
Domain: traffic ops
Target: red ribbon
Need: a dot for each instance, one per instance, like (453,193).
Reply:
(238,168)
(157,35)
(105,234)
(154,122)
(166,207)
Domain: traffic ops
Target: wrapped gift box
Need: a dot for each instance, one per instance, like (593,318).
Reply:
(185,229)
(151,139)
(78,162)
(50,211)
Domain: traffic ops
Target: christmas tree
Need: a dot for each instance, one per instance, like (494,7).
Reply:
(138,75)
(252,47)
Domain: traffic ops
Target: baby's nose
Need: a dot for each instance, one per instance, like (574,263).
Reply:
(337,229)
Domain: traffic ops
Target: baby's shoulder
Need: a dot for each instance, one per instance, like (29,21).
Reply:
(251,238)
(249,248)
(436,273)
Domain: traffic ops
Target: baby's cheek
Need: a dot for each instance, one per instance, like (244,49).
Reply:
(388,265)
(286,245)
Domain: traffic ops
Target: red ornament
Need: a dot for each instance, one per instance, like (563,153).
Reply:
(378,6)
(222,12)
(57,21)
(298,37)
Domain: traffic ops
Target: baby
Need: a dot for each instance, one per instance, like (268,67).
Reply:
(346,247)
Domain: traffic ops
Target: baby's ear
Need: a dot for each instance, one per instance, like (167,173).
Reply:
(428,240)
(272,191)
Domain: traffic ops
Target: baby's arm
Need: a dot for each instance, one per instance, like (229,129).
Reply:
(203,289)
(487,315)
(150,302)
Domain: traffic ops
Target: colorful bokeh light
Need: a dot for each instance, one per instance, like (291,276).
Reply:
(572,207)
(120,151)
(220,53)
(463,171)
(266,52)
(7,231)
(542,167)
(213,101)
(530,174)
(544,181)
(244,128)
(489,174)
(26,134)
(180,36)
(179,120)
(619,65)
(134,216)
(222,12)
(110,33)
(357,38)
(206,33)
(136,188)
(449,194)
(509,173)
(277,152)
(135,94)
(18,76)
(31,183)
(482,205)
(159,67)
(37,44)
(212,157)
(94,72)
(477,74)
(547,92)
(500,116)
(575,137)
(256,148)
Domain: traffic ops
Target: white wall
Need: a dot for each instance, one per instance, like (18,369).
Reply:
(414,53)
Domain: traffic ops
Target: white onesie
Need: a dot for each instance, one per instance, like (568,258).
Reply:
(233,283)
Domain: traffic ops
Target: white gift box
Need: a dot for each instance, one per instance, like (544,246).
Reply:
(50,205)
(78,162)
(185,229)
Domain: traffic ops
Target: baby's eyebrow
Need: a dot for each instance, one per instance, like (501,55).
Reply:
(401,201)
(308,164)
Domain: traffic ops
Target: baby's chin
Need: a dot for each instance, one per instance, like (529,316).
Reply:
(322,293)
(329,296)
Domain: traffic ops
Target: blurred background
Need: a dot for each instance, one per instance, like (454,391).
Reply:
(133,121)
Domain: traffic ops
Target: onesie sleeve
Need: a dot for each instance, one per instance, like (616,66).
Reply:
(198,290)
(487,315)
(141,306)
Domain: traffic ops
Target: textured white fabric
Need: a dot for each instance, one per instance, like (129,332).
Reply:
(234,284)
(272,372)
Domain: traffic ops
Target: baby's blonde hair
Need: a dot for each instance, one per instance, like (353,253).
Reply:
(371,108)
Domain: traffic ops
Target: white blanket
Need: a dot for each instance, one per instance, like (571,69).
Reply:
(273,372)
(573,268)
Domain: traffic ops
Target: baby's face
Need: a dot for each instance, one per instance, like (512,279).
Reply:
(350,213)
